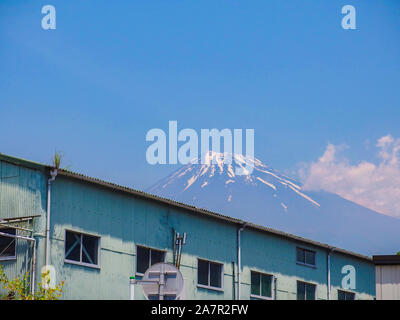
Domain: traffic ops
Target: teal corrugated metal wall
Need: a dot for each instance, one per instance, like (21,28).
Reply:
(23,194)
(22,191)
(124,221)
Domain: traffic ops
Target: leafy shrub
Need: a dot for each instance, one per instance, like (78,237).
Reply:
(19,287)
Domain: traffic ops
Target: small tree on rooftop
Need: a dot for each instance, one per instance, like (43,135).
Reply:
(57,160)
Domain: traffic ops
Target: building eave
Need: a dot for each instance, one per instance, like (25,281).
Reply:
(179,205)
(386,260)
(23,162)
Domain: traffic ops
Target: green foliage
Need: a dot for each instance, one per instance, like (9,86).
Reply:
(398,253)
(19,287)
(57,160)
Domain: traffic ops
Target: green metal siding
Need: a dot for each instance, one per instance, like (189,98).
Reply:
(23,194)
(124,221)
(364,289)
(22,191)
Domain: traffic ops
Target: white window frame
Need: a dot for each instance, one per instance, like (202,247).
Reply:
(272,286)
(304,263)
(14,257)
(221,289)
(80,263)
(149,248)
(305,291)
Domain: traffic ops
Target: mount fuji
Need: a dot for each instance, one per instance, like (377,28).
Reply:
(272,199)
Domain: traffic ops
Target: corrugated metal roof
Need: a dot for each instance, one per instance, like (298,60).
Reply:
(184,206)
(23,162)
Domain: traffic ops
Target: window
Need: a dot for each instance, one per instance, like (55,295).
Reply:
(81,249)
(7,244)
(146,257)
(306,257)
(261,285)
(209,274)
(305,291)
(345,295)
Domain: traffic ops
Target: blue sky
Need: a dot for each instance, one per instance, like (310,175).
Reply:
(112,70)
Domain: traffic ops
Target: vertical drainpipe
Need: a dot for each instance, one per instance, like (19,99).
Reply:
(33,268)
(53,174)
(239,259)
(330,250)
(233,276)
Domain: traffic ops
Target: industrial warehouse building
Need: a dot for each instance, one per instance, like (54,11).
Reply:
(100,234)
(387,277)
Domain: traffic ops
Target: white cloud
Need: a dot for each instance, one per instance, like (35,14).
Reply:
(375,186)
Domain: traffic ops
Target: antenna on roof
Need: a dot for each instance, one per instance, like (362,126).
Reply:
(179,242)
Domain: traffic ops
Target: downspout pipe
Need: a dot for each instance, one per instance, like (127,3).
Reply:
(33,279)
(239,258)
(53,174)
(330,250)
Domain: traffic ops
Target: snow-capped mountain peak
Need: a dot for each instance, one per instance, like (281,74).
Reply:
(219,169)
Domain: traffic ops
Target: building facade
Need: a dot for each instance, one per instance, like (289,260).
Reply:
(387,269)
(99,234)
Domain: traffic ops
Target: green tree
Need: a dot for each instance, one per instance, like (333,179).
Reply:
(19,287)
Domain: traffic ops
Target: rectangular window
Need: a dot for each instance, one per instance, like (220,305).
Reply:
(209,274)
(146,257)
(305,256)
(261,285)
(81,248)
(345,295)
(305,291)
(7,244)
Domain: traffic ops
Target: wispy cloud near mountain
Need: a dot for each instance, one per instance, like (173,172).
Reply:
(375,186)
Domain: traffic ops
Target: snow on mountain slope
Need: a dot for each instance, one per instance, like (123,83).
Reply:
(269,198)
(208,173)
